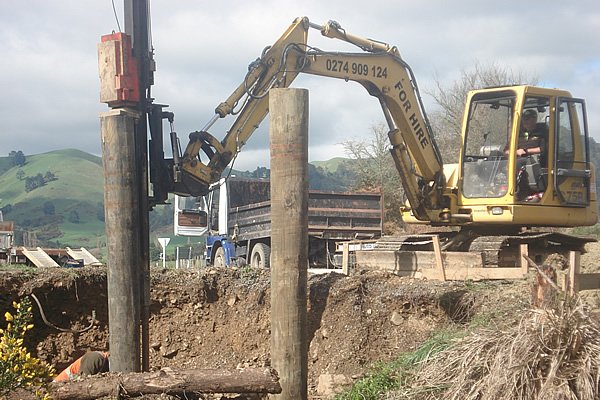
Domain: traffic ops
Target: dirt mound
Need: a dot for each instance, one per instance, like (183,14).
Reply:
(221,318)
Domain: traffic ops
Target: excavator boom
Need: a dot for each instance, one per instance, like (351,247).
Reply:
(379,69)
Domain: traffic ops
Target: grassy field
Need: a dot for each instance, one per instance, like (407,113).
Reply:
(78,191)
(67,210)
(330,165)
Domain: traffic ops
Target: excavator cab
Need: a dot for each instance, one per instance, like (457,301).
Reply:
(501,179)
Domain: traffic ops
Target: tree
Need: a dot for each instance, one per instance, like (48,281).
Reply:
(34,182)
(100,211)
(20,174)
(73,217)
(6,209)
(29,184)
(49,176)
(261,172)
(595,159)
(154,252)
(321,179)
(446,123)
(375,170)
(48,208)
(17,158)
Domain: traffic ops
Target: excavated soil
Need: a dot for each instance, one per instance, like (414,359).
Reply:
(213,318)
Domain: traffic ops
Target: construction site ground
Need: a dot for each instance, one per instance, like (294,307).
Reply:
(210,318)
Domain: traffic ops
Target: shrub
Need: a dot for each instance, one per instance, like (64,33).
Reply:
(18,369)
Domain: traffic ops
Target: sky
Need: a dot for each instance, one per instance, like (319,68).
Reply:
(49,69)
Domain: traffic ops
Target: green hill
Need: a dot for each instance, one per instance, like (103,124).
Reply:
(67,208)
(5,164)
(331,165)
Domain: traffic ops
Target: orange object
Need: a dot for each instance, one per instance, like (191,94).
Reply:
(125,69)
(75,368)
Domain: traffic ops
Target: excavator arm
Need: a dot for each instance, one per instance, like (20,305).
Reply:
(249,102)
(379,69)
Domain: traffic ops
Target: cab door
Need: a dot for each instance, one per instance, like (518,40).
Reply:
(572,170)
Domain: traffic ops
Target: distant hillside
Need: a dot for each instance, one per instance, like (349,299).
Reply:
(334,175)
(5,164)
(332,165)
(66,209)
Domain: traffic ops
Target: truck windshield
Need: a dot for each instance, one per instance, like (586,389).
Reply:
(485,165)
(187,203)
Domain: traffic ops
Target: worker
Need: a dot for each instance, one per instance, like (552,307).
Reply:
(532,141)
(532,138)
(91,363)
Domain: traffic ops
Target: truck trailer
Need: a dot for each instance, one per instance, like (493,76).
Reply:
(235,219)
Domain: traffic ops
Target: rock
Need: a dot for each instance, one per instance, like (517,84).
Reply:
(396,319)
(155,345)
(330,384)
(314,355)
(170,353)
(231,301)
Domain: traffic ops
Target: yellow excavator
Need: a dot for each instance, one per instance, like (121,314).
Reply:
(493,198)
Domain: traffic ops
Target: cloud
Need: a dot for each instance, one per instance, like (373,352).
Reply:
(50,80)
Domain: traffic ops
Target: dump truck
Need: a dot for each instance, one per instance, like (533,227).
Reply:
(237,224)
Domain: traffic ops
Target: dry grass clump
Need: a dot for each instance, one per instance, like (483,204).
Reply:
(550,354)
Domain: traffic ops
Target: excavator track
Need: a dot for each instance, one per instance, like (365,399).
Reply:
(490,248)
(504,249)
(414,242)
(496,250)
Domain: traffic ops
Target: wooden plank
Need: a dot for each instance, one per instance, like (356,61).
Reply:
(476,274)
(588,281)
(523,252)
(423,264)
(407,261)
(439,263)
(574,259)
(107,55)
(83,254)
(345,258)
(39,257)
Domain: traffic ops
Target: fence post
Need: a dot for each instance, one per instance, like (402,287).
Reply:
(289,239)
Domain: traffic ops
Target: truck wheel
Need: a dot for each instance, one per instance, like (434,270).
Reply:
(261,256)
(219,258)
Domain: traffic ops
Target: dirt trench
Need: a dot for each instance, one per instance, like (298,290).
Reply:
(213,318)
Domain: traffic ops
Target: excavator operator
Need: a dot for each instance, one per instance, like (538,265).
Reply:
(532,137)
(532,141)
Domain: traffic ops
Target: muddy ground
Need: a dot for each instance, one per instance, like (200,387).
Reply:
(213,318)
